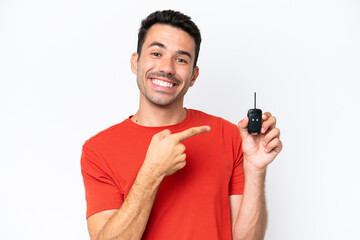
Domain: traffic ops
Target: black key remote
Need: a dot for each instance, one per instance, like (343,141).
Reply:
(255,119)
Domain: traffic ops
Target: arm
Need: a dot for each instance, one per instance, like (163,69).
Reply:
(130,220)
(251,218)
(164,157)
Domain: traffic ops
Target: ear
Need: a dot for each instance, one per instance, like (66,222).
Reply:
(194,76)
(133,62)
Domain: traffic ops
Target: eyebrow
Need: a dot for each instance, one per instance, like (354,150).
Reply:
(181,52)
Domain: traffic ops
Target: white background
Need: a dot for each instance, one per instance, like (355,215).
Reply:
(65,75)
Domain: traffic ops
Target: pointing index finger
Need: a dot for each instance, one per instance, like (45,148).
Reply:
(181,136)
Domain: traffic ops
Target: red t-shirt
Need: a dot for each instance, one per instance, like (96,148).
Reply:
(193,203)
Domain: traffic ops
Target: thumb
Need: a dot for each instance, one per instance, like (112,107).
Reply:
(242,125)
(163,134)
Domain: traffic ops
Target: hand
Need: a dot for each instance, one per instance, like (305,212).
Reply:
(260,150)
(165,154)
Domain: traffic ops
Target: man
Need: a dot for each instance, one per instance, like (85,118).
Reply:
(168,172)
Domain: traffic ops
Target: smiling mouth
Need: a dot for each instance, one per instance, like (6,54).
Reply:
(162,83)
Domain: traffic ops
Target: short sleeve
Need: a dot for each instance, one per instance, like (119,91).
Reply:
(101,192)
(237,181)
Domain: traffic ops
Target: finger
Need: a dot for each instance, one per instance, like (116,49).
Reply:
(163,134)
(265,116)
(274,145)
(180,148)
(270,123)
(181,159)
(181,163)
(181,136)
(274,133)
(242,125)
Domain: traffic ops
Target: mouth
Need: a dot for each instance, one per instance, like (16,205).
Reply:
(162,83)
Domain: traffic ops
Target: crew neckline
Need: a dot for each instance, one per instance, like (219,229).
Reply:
(179,125)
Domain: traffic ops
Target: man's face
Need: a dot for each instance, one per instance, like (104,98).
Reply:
(165,67)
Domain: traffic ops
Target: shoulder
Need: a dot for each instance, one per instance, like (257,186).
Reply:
(223,132)
(106,136)
(206,118)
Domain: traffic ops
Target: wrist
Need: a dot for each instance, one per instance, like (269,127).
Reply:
(254,174)
(149,177)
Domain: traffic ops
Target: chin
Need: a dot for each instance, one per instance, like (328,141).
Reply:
(162,102)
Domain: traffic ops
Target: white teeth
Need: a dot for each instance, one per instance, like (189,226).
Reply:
(162,83)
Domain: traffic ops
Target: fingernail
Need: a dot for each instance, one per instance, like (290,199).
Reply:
(262,130)
(263,143)
(266,150)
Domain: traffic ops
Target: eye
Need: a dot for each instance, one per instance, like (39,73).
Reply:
(155,54)
(181,60)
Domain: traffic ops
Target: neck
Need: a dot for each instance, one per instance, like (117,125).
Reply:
(152,115)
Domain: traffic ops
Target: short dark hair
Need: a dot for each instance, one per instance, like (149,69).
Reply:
(172,18)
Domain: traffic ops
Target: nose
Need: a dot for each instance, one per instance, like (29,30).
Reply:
(167,66)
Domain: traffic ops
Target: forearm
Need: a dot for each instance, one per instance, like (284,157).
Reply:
(131,219)
(252,217)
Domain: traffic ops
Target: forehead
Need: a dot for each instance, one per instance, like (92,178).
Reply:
(172,37)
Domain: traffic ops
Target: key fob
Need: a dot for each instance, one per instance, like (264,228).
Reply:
(254,125)
(255,119)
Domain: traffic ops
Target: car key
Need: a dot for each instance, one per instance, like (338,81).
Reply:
(255,119)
